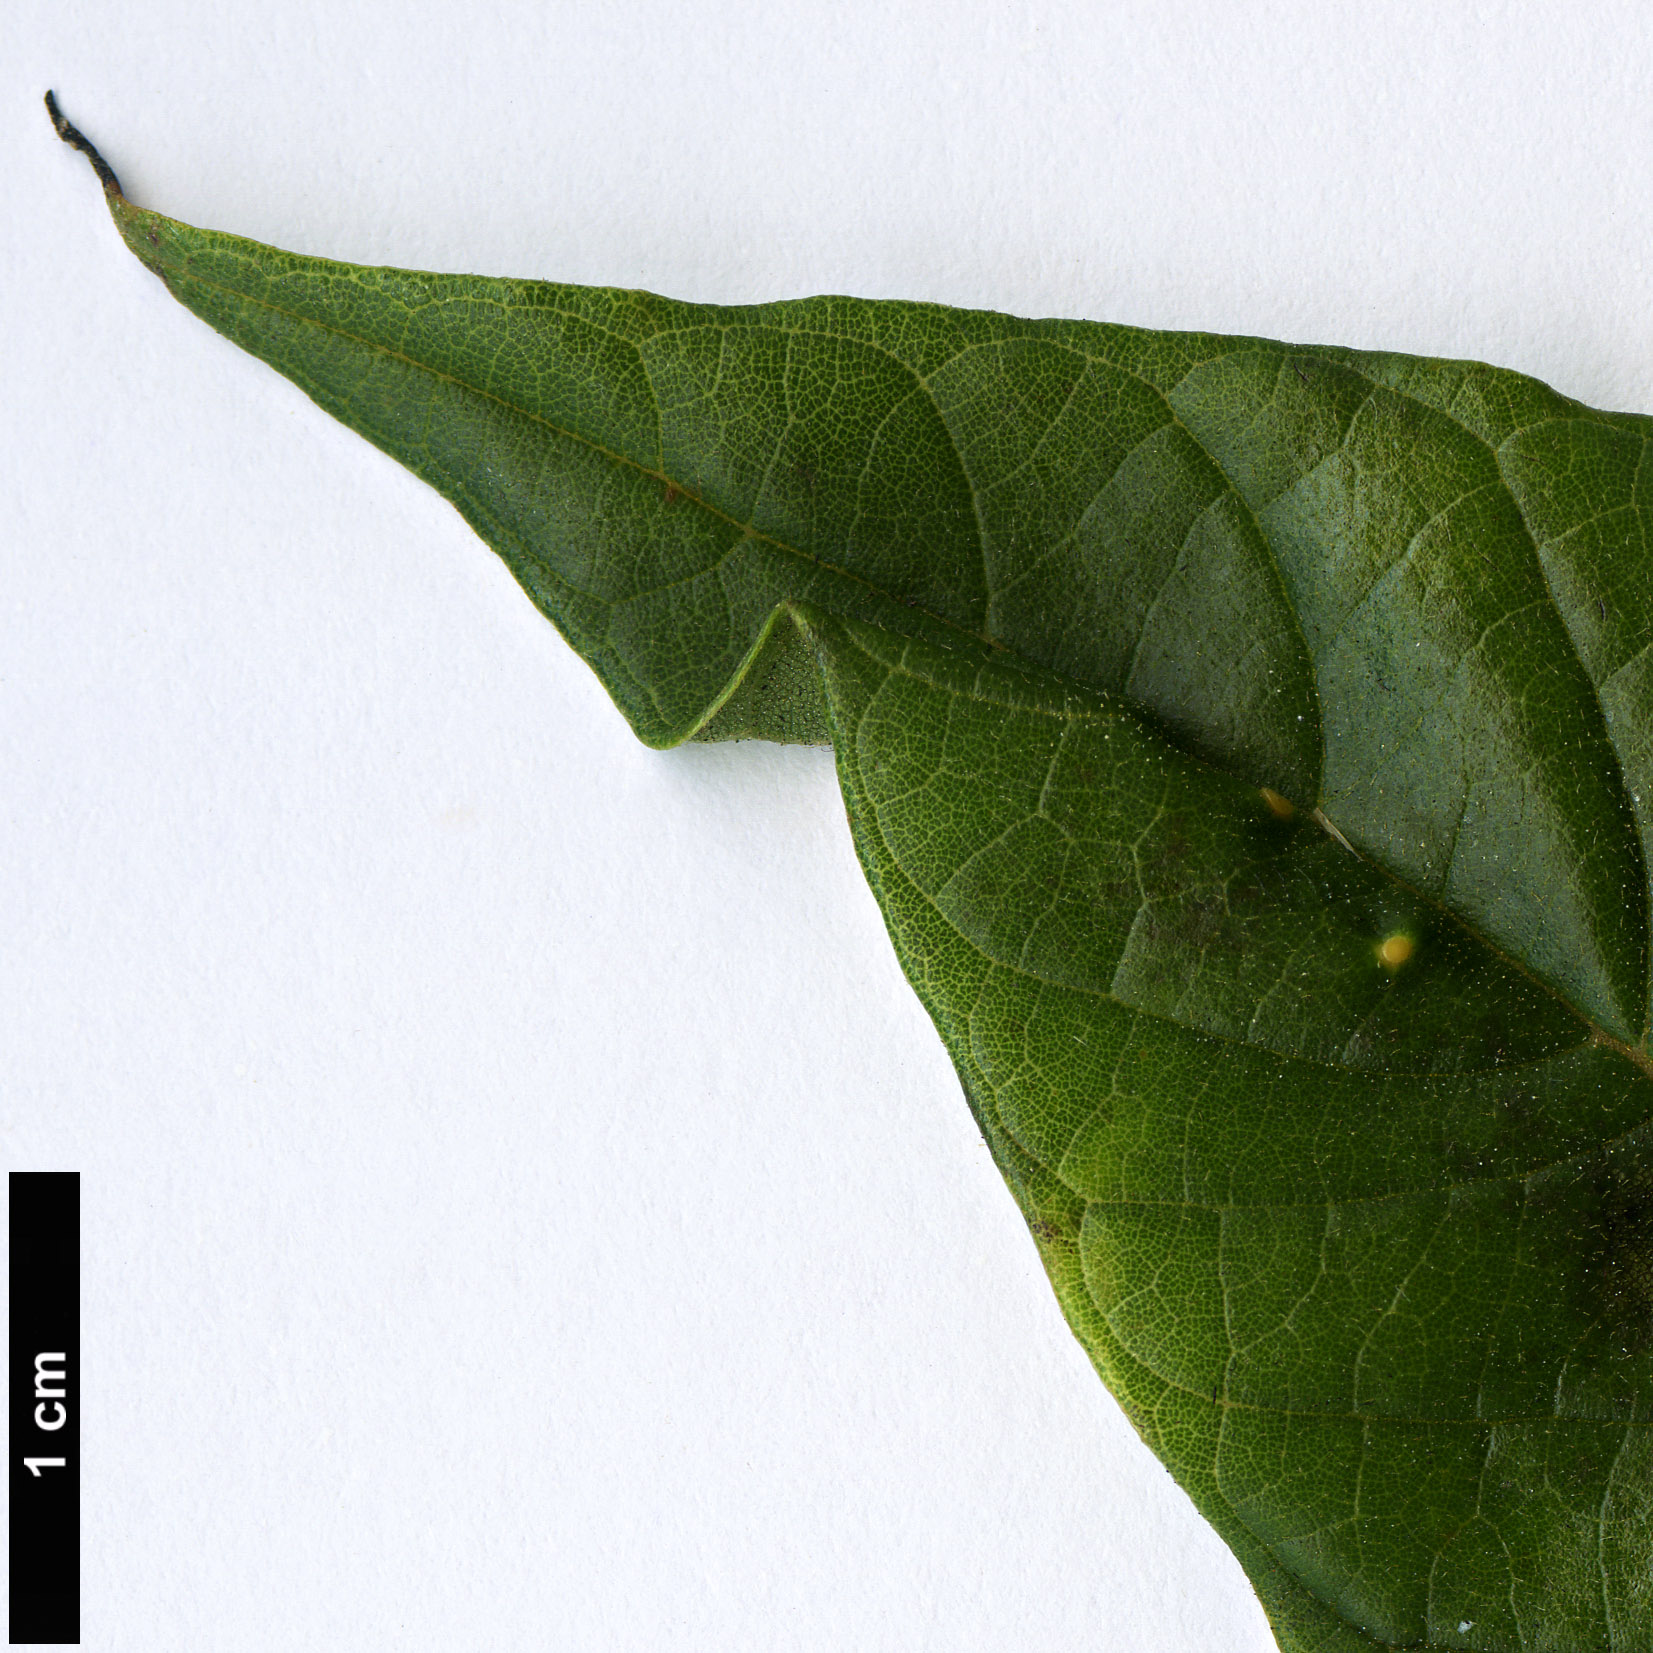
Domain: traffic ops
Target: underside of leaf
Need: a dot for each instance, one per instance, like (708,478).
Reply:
(1249,746)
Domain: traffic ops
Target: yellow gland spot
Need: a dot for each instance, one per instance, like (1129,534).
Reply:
(1395,950)
(1283,808)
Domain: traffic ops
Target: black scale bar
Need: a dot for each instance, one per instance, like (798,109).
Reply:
(44,1374)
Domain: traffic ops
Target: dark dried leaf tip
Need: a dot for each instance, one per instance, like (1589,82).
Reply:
(76,139)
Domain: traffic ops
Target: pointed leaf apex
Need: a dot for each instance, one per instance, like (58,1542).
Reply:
(76,139)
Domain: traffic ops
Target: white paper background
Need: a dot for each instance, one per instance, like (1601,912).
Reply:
(524,1205)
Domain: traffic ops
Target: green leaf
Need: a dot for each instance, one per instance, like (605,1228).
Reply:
(1249,746)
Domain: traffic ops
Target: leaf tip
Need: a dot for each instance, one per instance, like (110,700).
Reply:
(76,139)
